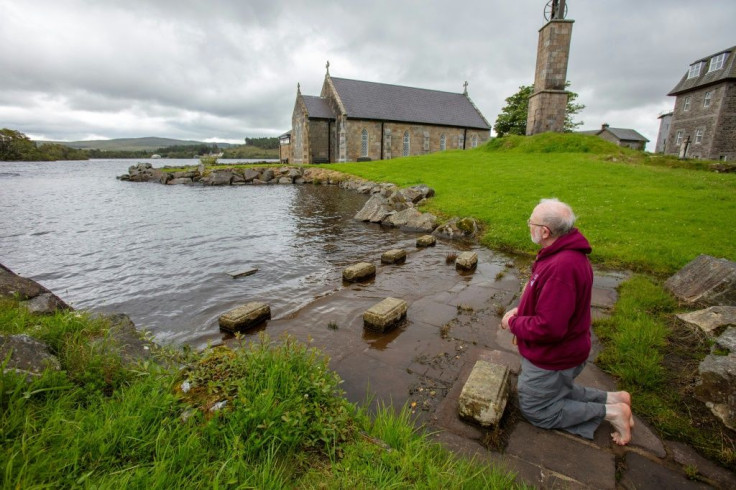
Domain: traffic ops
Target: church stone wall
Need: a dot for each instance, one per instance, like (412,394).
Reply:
(319,141)
(423,139)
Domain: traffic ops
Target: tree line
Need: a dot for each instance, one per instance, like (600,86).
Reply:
(16,146)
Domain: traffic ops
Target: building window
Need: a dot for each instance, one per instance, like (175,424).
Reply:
(707,99)
(716,62)
(474,141)
(364,143)
(461,141)
(694,70)
(686,107)
(699,135)
(678,139)
(406,143)
(443,142)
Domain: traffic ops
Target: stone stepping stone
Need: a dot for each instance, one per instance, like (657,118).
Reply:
(244,317)
(466,261)
(426,241)
(243,273)
(394,256)
(359,272)
(483,398)
(385,315)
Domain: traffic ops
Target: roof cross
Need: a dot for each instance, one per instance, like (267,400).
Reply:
(465,85)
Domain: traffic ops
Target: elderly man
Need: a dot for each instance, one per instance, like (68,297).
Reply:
(552,329)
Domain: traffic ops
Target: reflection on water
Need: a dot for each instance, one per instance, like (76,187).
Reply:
(161,253)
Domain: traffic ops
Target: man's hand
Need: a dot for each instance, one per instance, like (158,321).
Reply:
(506,317)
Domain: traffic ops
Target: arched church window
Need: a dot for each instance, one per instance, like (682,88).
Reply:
(364,143)
(443,142)
(474,141)
(406,143)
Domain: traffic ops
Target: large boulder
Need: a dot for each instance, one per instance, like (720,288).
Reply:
(250,174)
(219,177)
(37,298)
(717,386)
(26,355)
(375,210)
(711,321)
(706,280)
(458,228)
(424,222)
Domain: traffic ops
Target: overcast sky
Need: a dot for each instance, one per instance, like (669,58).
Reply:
(221,70)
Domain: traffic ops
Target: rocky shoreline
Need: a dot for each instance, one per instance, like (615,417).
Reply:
(389,205)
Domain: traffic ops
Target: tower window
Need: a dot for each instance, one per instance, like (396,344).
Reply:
(678,139)
(699,135)
(686,107)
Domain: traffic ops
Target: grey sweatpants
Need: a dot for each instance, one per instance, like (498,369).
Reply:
(552,400)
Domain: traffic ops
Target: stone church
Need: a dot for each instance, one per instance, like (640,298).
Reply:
(355,121)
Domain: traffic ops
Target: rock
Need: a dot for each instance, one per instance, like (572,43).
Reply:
(238,178)
(485,393)
(394,256)
(412,194)
(26,355)
(466,261)
(458,228)
(711,320)
(250,174)
(727,340)
(294,173)
(706,280)
(45,304)
(266,175)
(375,210)
(180,180)
(425,222)
(12,285)
(717,387)
(244,317)
(219,177)
(426,241)
(285,180)
(359,271)
(126,341)
(401,218)
(243,273)
(385,315)
(365,189)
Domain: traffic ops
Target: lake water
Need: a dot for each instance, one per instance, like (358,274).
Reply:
(161,254)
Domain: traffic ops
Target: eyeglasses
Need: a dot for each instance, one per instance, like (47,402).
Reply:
(529,223)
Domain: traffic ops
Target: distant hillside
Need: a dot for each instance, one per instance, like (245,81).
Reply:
(133,144)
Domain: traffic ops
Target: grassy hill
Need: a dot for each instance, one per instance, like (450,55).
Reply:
(149,143)
(639,211)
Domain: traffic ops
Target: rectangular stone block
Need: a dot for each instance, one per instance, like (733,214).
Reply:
(705,280)
(466,261)
(394,256)
(243,273)
(359,271)
(385,315)
(484,395)
(426,241)
(244,317)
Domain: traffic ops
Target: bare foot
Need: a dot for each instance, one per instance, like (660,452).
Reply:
(620,397)
(619,415)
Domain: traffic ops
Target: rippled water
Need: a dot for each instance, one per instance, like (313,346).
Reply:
(161,254)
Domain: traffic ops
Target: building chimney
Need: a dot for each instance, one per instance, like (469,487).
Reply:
(604,126)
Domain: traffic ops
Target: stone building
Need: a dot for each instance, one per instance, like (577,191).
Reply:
(665,120)
(703,122)
(629,138)
(353,120)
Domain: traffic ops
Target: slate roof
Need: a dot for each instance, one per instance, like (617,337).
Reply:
(624,134)
(727,72)
(317,107)
(380,101)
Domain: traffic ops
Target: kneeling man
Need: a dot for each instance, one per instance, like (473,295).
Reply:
(552,329)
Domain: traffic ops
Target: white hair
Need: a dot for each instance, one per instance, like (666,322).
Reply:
(557,216)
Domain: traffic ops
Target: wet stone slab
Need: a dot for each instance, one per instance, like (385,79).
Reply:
(244,317)
(483,398)
(394,256)
(385,315)
(466,261)
(359,272)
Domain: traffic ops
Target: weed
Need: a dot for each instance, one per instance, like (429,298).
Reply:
(500,275)
(500,310)
(332,325)
(450,257)
(445,330)
(464,308)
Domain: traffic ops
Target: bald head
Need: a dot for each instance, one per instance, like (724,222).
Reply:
(555,215)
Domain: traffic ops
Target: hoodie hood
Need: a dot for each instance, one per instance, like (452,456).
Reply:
(573,240)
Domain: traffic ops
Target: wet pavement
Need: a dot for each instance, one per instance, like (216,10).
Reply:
(453,320)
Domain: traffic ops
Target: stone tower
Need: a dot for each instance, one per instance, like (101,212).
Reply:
(548,102)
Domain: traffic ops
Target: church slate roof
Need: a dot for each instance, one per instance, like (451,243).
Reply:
(317,107)
(708,78)
(380,101)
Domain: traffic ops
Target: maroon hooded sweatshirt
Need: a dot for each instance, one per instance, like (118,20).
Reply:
(552,324)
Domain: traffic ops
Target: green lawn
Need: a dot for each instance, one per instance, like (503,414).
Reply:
(636,214)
